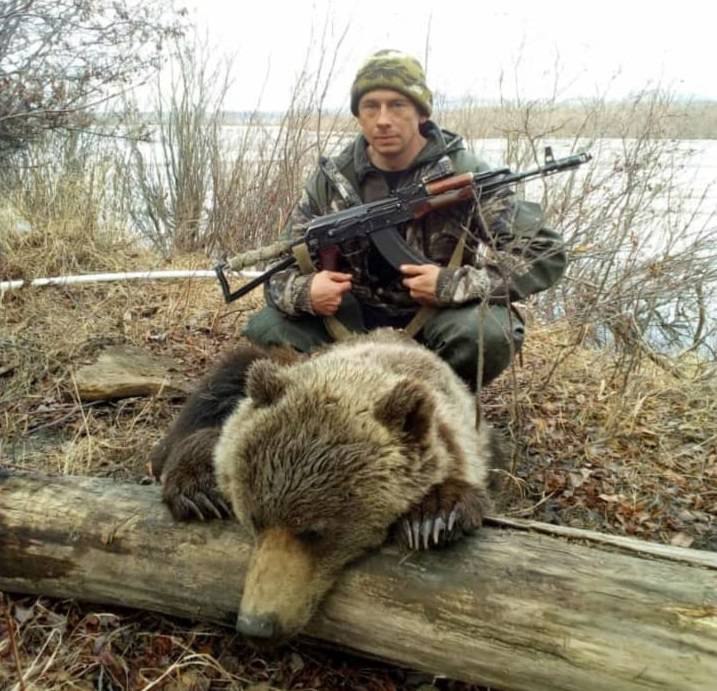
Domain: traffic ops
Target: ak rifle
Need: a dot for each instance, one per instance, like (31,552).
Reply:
(378,221)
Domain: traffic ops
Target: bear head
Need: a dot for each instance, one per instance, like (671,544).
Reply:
(318,462)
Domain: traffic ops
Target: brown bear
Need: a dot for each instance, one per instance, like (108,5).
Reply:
(322,458)
(183,460)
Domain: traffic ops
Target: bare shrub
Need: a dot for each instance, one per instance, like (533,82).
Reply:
(172,173)
(257,184)
(60,58)
(207,185)
(641,240)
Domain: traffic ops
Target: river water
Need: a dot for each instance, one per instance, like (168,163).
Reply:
(693,162)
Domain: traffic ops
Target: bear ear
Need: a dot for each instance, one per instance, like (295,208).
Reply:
(407,409)
(265,383)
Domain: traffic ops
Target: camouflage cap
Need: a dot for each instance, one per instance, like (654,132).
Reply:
(392,69)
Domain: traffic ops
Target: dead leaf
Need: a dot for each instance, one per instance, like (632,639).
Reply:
(7,369)
(681,540)
(22,614)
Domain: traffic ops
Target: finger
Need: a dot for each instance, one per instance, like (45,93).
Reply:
(344,287)
(412,269)
(418,292)
(338,276)
(328,309)
(411,283)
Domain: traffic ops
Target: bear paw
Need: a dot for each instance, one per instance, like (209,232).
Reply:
(447,513)
(189,487)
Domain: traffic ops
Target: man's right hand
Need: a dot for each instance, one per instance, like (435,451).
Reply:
(327,290)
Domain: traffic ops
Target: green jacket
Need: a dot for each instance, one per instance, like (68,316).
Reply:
(509,255)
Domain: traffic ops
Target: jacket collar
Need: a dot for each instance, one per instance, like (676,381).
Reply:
(440,142)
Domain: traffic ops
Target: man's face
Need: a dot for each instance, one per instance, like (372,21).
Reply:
(390,123)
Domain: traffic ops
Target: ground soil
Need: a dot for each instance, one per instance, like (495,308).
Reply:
(600,443)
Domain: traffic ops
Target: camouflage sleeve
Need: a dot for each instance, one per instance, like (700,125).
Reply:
(289,290)
(523,256)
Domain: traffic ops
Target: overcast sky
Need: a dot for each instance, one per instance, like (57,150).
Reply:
(609,46)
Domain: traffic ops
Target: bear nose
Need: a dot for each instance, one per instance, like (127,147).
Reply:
(257,626)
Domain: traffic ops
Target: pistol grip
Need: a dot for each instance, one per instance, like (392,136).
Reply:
(329,258)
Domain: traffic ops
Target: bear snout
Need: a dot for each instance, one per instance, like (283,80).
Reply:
(283,586)
(261,627)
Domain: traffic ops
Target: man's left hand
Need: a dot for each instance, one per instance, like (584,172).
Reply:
(421,281)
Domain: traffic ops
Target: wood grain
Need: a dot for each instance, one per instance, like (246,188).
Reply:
(511,608)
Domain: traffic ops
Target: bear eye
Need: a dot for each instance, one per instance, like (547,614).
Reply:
(310,536)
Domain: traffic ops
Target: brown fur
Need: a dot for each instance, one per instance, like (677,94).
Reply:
(183,459)
(325,457)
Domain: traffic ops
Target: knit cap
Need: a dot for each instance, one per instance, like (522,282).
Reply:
(392,69)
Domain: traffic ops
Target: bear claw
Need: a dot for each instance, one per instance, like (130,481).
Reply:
(438,525)
(430,532)
(198,505)
(445,514)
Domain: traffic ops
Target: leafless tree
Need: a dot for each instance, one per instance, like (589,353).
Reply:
(61,58)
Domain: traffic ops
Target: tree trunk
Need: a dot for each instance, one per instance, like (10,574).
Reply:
(509,608)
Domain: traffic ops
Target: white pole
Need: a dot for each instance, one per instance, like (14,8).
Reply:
(126,276)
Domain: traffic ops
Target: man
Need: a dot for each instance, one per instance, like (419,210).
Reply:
(483,258)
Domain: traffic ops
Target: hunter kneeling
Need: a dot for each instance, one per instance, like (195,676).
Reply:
(490,254)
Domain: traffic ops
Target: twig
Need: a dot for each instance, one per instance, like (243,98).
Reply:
(529,510)
(629,544)
(13,643)
(53,423)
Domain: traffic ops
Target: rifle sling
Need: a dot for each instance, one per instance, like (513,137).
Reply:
(427,311)
(335,328)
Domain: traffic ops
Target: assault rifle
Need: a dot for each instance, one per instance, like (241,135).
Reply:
(377,221)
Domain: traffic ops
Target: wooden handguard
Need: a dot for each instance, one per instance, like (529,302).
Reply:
(452,183)
(440,201)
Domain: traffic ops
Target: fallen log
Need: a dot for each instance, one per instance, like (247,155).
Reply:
(510,608)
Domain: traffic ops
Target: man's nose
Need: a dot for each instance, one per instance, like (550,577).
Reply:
(383,115)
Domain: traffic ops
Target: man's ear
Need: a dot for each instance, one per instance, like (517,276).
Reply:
(407,410)
(265,382)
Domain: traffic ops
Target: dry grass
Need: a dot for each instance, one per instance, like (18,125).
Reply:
(49,333)
(633,455)
(62,645)
(637,457)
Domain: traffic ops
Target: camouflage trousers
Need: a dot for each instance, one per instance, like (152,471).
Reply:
(452,333)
